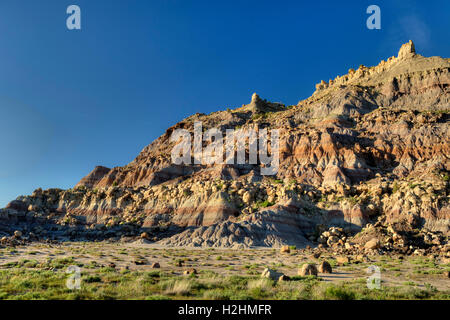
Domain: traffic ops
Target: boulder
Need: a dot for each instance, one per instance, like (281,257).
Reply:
(285,249)
(247,197)
(139,262)
(190,271)
(372,244)
(325,267)
(145,235)
(271,274)
(342,260)
(316,255)
(308,269)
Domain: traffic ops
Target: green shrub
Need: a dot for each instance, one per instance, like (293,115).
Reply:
(264,204)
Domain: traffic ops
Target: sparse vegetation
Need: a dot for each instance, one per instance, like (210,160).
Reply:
(264,204)
(41,284)
(261,116)
(46,278)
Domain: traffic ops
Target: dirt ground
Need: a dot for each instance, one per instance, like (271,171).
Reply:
(394,270)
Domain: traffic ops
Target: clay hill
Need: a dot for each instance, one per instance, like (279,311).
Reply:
(366,157)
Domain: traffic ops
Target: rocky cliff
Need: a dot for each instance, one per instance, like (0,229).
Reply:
(369,148)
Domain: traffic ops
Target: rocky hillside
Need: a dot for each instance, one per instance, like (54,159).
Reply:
(367,155)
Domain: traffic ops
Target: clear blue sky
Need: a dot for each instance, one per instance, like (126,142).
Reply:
(71,100)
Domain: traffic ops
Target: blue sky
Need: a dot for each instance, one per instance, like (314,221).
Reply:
(71,100)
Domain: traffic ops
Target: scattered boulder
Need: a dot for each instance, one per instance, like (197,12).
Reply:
(155,265)
(361,258)
(308,269)
(285,249)
(247,197)
(190,271)
(325,267)
(342,260)
(145,235)
(316,255)
(271,274)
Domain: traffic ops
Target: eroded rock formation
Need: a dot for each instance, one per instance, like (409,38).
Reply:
(371,146)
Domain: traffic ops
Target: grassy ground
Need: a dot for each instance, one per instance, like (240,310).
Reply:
(107,283)
(40,272)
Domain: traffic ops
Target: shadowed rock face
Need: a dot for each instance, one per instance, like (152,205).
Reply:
(370,145)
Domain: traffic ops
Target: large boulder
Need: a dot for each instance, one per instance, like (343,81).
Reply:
(325,267)
(308,269)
